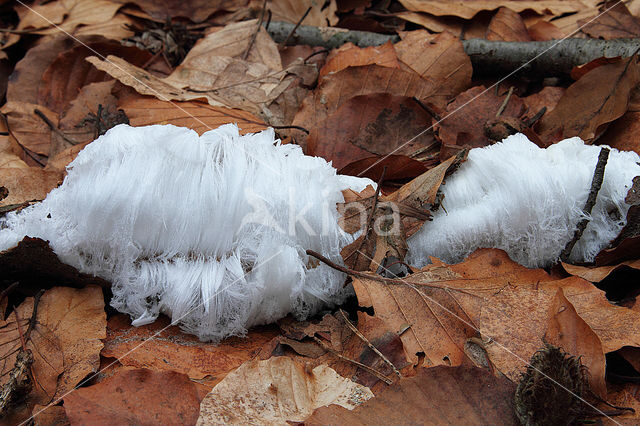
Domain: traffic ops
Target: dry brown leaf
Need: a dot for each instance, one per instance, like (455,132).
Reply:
(9,160)
(547,97)
(27,75)
(368,125)
(598,273)
(431,317)
(409,205)
(196,10)
(65,342)
(350,55)
(69,72)
(435,396)
(227,82)
(624,395)
(544,31)
(589,104)
(233,41)
(384,340)
(167,348)
(29,130)
(507,25)
(337,335)
(53,415)
(617,22)
(293,10)
(506,302)
(135,397)
(73,122)
(116,28)
(198,116)
(275,391)
(567,330)
(464,121)
(335,89)
(468,9)
(439,57)
(27,184)
(623,134)
(436,24)
(525,309)
(66,15)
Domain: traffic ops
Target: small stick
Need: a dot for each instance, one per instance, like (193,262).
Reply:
(379,278)
(373,210)
(364,339)
(7,290)
(266,26)
(255,33)
(359,364)
(428,109)
(286,40)
(53,128)
(596,184)
(505,102)
(302,129)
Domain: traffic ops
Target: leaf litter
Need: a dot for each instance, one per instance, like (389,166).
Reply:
(449,330)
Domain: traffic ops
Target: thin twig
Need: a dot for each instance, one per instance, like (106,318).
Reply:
(370,216)
(286,40)
(291,127)
(427,108)
(53,127)
(6,291)
(255,33)
(380,278)
(505,102)
(596,184)
(359,364)
(364,339)
(266,26)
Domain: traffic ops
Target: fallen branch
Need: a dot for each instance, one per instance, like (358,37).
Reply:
(548,58)
(596,184)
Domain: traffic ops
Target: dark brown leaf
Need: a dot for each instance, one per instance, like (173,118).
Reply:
(135,397)
(439,395)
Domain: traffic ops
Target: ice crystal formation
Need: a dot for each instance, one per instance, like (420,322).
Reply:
(527,201)
(210,230)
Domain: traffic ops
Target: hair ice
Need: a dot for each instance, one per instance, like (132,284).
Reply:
(527,201)
(210,230)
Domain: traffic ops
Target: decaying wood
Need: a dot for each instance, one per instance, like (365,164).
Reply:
(540,58)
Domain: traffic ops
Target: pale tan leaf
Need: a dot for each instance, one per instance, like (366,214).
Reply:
(293,10)
(233,41)
(27,183)
(468,9)
(67,15)
(275,391)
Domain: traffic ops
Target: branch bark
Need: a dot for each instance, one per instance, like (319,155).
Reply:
(538,58)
